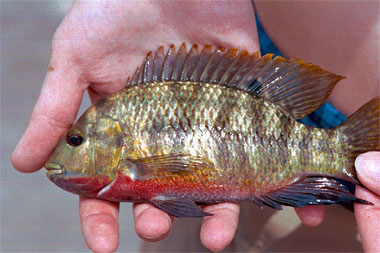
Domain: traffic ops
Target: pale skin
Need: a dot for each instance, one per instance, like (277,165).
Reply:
(96,47)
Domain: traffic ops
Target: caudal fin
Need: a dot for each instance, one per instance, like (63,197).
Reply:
(363,128)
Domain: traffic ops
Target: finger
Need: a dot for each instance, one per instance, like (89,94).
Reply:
(52,115)
(151,224)
(218,230)
(368,216)
(311,216)
(100,228)
(368,170)
(368,220)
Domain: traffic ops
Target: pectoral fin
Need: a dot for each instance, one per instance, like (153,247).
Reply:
(178,207)
(169,165)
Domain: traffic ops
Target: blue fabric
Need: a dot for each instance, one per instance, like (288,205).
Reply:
(326,116)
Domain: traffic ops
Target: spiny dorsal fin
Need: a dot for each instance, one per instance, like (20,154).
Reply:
(298,87)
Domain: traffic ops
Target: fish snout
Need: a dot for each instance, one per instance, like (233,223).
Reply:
(54,169)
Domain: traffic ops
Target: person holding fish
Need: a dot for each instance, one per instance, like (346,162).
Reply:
(98,46)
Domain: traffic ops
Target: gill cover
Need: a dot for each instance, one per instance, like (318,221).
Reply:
(108,143)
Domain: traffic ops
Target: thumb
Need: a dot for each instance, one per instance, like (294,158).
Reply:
(53,114)
(368,170)
(368,216)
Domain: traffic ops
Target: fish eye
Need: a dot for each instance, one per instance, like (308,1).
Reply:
(74,139)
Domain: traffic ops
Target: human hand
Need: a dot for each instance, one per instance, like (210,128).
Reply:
(368,216)
(96,47)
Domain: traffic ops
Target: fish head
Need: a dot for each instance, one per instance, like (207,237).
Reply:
(87,157)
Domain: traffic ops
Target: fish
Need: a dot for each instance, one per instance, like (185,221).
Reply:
(206,126)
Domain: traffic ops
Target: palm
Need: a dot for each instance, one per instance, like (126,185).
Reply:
(110,40)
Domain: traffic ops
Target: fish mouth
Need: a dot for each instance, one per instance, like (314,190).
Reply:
(54,169)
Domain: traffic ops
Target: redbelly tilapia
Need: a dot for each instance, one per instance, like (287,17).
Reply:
(213,126)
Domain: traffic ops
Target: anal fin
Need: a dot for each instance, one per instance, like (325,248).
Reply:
(178,207)
(313,190)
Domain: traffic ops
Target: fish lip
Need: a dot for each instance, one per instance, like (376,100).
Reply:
(54,169)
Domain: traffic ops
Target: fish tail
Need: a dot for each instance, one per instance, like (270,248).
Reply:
(362,129)
(362,133)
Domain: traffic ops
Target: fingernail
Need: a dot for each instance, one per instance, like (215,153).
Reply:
(152,238)
(15,157)
(368,165)
(139,208)
(358,161)
(17,148)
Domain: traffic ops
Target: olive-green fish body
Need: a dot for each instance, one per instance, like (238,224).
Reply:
(214,132)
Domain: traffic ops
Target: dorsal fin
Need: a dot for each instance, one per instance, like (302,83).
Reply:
(298,87)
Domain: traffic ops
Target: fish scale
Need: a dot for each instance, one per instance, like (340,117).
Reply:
(207,127)
(225,157)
